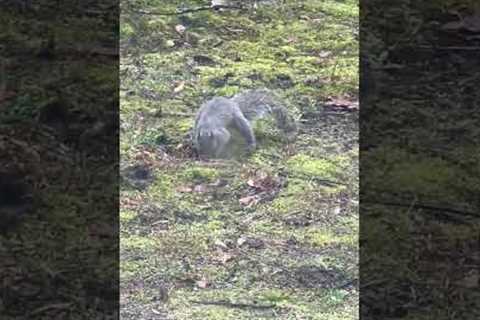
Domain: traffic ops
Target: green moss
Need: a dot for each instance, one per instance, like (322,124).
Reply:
(199,174)
(294,196)
(320,238)
(104,76)
(429,175)
(126,216)
(184,125)
(274,295)
(306,165)
(164,187)
(138,243)
(267,48)
(130,268)
(412,172)
(227,91)
(126,31)
(214,226)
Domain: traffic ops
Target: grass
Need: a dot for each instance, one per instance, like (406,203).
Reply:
(189,231)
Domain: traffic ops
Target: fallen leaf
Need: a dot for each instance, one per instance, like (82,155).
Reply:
(221,245)
(203,283)
(179,87)
(180,28)
(291,40)
(225,257)
(5,95)
(263,182)
(251,183)
(472,23)
(342,103)
(324,54)
(201,188)
(184,189)
(248,200)
(241,241)
(471,280)
(454,25)
(251,242)
(219,183)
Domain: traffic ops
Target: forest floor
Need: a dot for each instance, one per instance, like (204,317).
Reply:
(419,162)
(274,235)
(58,200)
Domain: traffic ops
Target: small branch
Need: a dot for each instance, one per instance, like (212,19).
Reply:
(453,213)
(180,12)
(451,48)
(347,284)
(229,304)
(321,180)
(172,114)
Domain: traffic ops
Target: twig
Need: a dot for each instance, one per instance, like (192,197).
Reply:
(426,207)
(322,181)
(347,284)
(173,114)
(61,306)
(179,12)
(229,304)
(461,48)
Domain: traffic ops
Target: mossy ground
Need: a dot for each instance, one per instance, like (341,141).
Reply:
(270,236)
(60,251)
(420,170)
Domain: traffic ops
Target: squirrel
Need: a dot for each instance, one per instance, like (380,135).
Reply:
(218,118)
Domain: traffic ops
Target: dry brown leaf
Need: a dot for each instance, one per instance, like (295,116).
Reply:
(180,86)
(248,200)
(251,242)
(251,183)
(225,257)
(184,189)
(5,95)
(342,103)
(263,181)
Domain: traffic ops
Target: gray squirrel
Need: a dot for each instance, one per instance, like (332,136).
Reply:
(220,117)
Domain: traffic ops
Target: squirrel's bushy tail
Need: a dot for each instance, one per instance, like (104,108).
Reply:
(259,103)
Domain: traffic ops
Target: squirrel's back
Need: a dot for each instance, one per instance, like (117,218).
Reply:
(215,111)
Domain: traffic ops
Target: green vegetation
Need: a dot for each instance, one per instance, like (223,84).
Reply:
(272,236)
(58,78)
(420,173)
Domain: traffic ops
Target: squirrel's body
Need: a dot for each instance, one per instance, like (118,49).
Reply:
(219,117)
(214,121)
